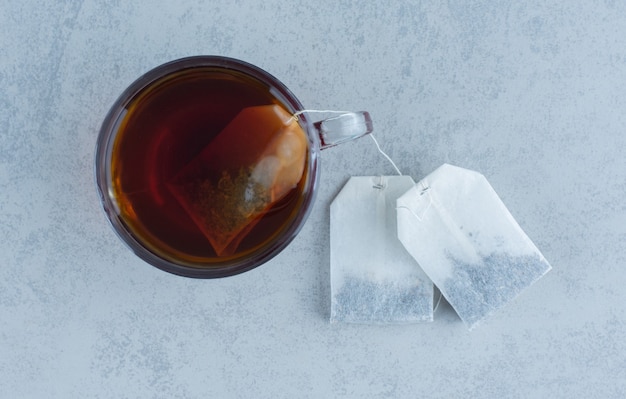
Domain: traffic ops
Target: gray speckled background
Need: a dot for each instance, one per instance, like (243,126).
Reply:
(530,94)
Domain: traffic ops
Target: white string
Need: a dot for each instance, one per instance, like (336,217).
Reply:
(438,302)
(385,155)
(320,111)
(430,202)
(410,210)
(424,189)
(329,111)
(294,116)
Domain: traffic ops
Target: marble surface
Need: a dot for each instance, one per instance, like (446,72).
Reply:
(531,94)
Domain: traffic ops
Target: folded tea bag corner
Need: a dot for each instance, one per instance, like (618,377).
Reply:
(456,227)
(373,278)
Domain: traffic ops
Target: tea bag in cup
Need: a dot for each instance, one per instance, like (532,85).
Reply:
(241,174)
(456,227)
(373,278)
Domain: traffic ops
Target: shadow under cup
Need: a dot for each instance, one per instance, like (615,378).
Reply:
(160,125)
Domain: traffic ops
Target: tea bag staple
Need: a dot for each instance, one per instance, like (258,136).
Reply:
(462,235)
(373,278)
(241,174)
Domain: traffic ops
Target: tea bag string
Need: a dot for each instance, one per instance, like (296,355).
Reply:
(438,301)
(424,189)
(318,111)
(422,192)
(295,115)
(385,155)
(381,186)
(330,111)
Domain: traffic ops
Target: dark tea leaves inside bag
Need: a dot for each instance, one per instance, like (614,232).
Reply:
(251,165)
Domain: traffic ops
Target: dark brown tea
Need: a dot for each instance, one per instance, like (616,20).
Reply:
(197,176)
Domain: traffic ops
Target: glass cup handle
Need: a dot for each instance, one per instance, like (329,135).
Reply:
(342,128)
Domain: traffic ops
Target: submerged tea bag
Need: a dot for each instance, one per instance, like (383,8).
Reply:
(250,166)
(373,278)
(457,228)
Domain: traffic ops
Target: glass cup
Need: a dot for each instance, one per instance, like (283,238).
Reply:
(178,155)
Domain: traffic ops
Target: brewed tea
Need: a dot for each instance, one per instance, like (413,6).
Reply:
(175,125)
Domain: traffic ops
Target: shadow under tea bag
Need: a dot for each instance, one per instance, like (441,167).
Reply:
(373,278)
(459,231)
(241,174)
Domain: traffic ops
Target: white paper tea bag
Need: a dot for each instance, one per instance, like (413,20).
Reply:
(457,228)
(373,278)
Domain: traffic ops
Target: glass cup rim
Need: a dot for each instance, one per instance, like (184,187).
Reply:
(102,171)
